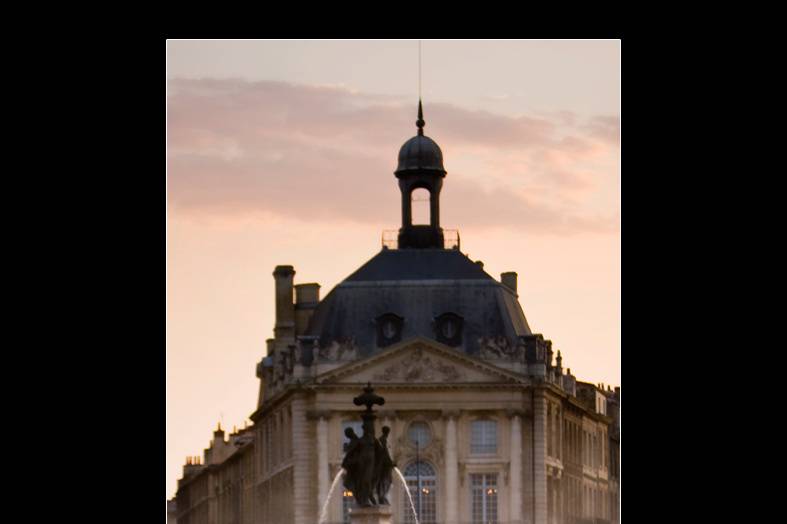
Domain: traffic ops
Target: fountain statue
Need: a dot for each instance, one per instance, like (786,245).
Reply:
(368,466)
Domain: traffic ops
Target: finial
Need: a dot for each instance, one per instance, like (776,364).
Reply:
(368,398)
(420,122)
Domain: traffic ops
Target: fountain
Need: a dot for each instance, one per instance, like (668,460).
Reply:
(409,496)
(367,468)
(324,512)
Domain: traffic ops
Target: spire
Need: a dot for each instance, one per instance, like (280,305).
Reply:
(420,122)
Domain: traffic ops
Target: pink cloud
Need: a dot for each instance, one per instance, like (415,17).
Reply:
(326,153)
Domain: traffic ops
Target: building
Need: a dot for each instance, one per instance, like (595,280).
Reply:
(486,424)
(172,511)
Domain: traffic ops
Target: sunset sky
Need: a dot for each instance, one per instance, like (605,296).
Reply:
(283,152)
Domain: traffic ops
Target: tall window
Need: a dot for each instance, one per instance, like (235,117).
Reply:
(268,445)
(424,494)
(483,437)
(483,488)
(549,429)
(347,502)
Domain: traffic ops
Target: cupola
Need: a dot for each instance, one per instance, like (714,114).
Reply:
(420,167)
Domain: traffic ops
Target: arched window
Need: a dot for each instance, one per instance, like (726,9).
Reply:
(422,483)
(389,329)
(449,329)
(419,432)
(483,437)
(419,202)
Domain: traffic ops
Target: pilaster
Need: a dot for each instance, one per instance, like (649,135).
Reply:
(539,457)
(323,482)
(451,470)
(515,478)
(302,481)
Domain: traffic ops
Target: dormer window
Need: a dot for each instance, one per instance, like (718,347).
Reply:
(389,329)
(449,329)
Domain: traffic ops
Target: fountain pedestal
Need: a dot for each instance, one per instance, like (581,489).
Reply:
(371,515)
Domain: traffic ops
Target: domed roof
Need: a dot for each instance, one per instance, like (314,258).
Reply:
(418,286)
(420,153)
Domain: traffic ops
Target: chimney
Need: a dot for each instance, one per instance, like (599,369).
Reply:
(307,296)
(509,280)
(285,310)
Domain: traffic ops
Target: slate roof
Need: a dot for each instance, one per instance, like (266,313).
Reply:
(418,264)
(418,285)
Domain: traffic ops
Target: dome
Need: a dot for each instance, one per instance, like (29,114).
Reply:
(420,153)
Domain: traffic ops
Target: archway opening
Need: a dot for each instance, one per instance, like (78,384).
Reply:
(419,203)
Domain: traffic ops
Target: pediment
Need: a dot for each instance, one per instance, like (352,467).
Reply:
(420,361)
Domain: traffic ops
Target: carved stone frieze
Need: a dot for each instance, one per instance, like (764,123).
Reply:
(420,367)
(339,350)
(499,348)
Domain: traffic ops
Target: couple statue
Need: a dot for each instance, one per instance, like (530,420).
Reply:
(367,463)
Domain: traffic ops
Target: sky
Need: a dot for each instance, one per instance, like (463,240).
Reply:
(283,152)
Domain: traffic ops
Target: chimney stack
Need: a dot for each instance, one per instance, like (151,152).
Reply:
(307,296)
(509,280)
(285,309)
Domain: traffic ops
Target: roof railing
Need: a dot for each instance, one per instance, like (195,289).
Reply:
(451,239)
(390,239)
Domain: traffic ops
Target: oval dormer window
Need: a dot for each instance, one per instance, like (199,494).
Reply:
(389,329)
(449,329)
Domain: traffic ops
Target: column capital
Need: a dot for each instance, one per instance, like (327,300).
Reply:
(451,413)
(516,412)
(386,413)
(317,414)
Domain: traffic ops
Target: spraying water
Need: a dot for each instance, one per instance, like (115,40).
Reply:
(324,512)
(407,490)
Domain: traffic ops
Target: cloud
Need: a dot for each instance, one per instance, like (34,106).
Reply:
(326,153)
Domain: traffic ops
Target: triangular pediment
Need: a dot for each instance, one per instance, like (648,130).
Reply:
(419,361)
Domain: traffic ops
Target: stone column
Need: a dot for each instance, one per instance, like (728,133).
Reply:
(301,445)
(539,457)
(451,469)
(323,482)
(515,475)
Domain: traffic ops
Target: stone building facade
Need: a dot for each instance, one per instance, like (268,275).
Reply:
(486,425)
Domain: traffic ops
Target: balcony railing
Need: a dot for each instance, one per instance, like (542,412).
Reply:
(451,240)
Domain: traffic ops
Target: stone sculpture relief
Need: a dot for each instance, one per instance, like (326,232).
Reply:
(419,367)
(340,350)
(499,348)
(279,366)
